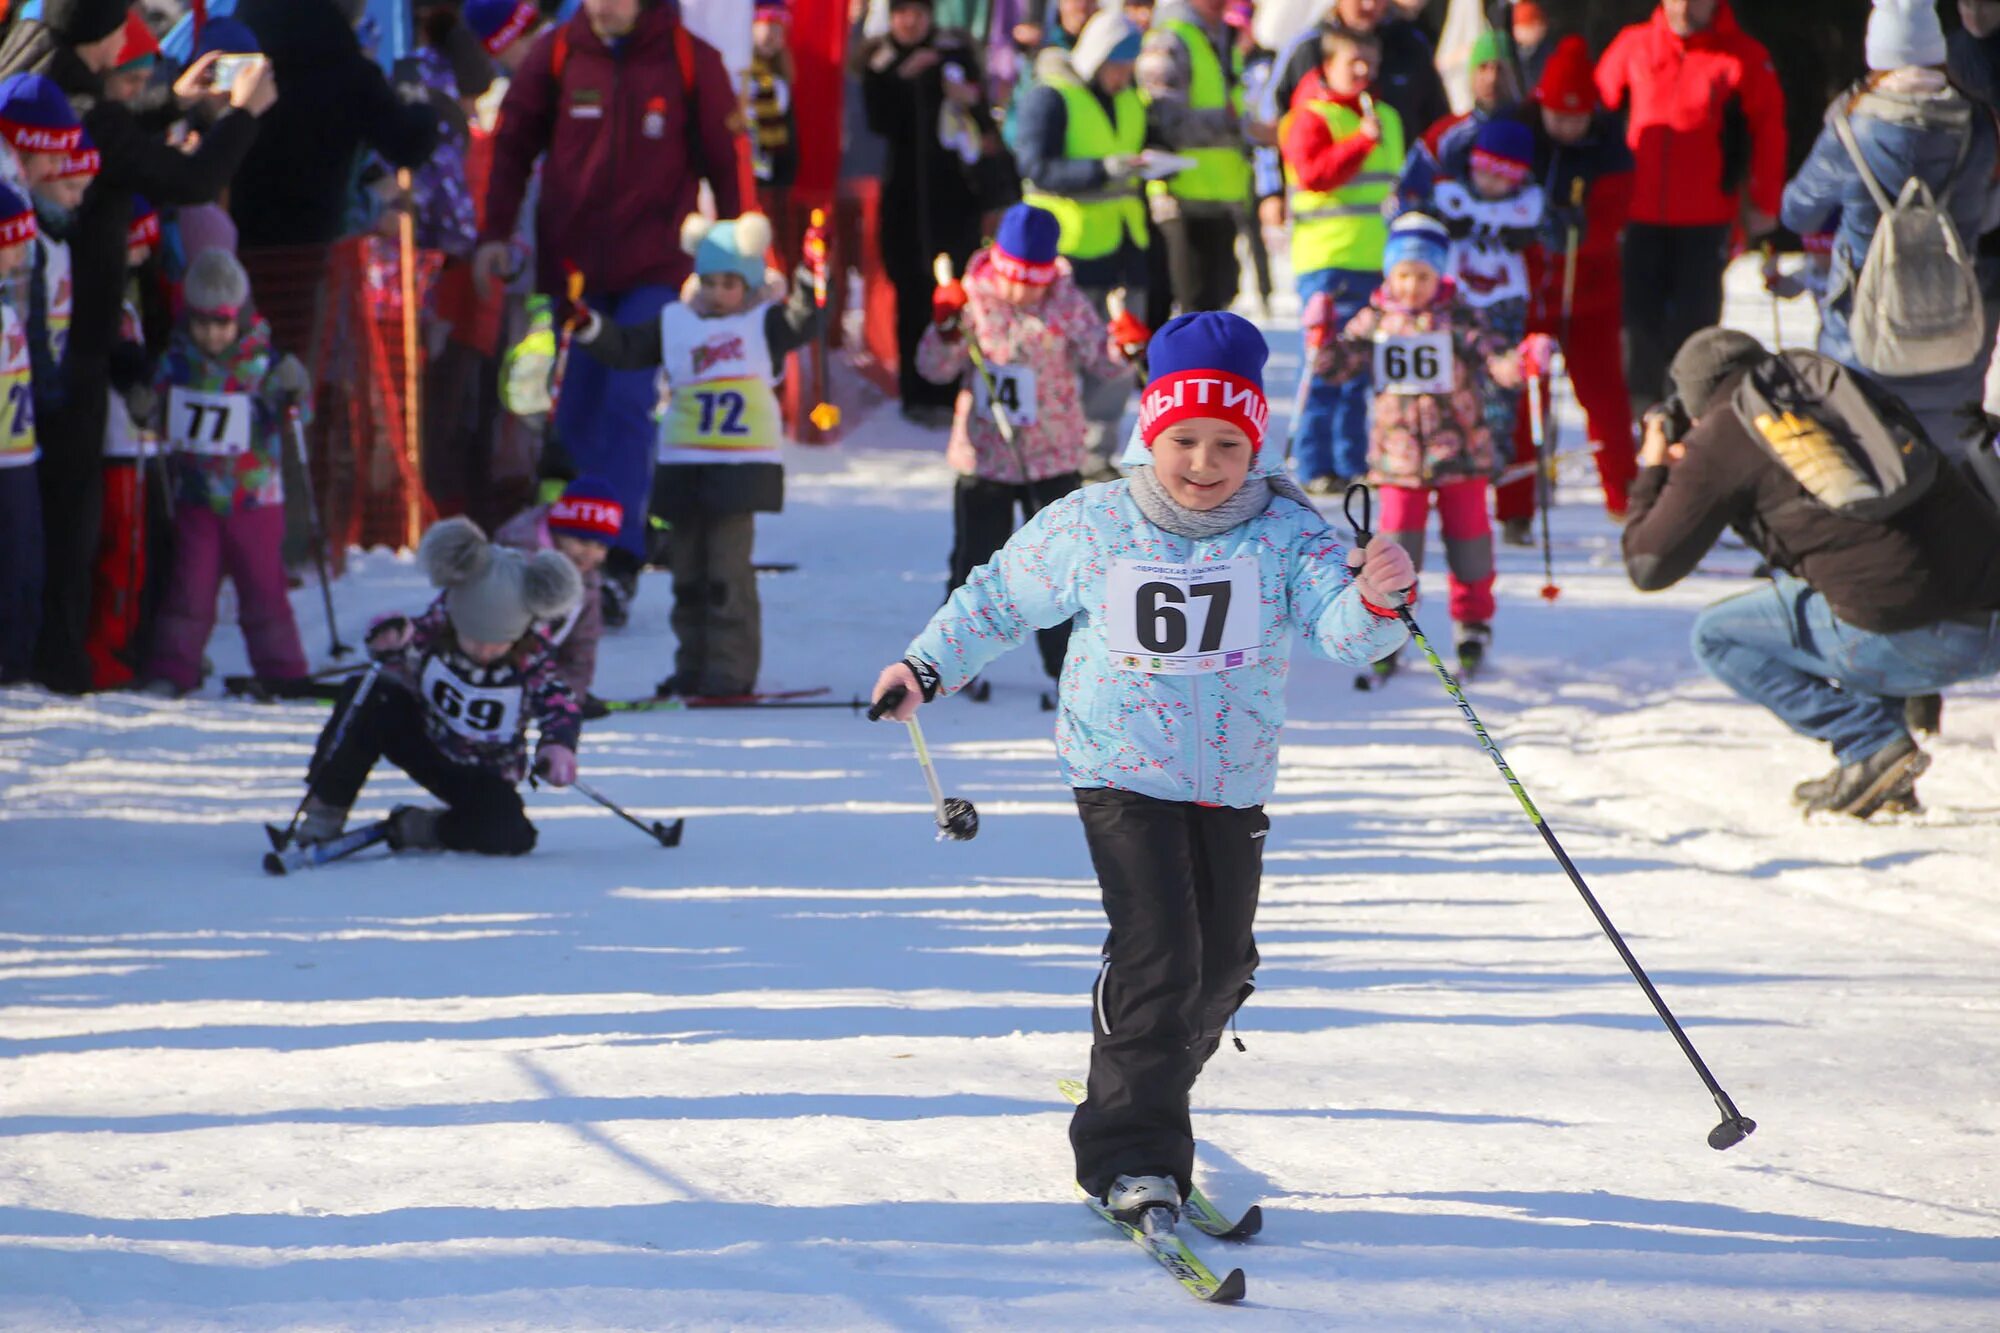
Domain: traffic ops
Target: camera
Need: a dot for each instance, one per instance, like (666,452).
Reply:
(1672,414)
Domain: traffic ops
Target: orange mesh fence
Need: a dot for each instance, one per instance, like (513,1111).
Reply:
(339,308)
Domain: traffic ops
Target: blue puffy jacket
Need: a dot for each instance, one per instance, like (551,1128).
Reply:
(1209,738)
(1901,134)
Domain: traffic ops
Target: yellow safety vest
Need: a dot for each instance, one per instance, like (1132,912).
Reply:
(1098,223)
(1344,228)
(1219,175)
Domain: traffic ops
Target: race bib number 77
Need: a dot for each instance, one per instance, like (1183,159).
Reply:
(1183,620)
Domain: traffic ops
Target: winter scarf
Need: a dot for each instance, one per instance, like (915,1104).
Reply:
(1163,511)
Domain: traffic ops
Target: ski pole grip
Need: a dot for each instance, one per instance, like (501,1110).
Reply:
(1363,528)
(892,699)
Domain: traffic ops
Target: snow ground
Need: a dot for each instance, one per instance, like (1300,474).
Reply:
(800,1071)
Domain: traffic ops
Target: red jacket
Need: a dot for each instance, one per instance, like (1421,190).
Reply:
(1306,142)
(617,179)
(1677,94)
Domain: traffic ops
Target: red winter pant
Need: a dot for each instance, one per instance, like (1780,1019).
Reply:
(244,546)
(117,590)
(1468,538)
(1597,373)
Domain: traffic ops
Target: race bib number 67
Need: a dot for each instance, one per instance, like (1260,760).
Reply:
(1183,620)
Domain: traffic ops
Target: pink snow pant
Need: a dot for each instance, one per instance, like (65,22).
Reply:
(1468,538)
(244,546)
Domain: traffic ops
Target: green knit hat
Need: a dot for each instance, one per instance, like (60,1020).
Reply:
(1488,48)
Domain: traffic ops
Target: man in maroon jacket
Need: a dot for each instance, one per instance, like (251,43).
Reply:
(629,112)
(1705,118)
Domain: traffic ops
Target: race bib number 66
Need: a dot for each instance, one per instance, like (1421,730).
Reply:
(1414,363)
(1183,620)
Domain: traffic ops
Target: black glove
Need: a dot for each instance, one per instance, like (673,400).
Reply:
(926,674)
(1973,419)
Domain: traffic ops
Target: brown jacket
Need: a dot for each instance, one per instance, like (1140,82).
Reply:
(1937,560)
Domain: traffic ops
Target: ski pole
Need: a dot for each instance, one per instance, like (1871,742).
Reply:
(667,835)
(941,270)
(1777,322)
(1735,1125)
(956,819)
(825,415)
(281,838)
(1571,241)
(315,530)
(1545,480)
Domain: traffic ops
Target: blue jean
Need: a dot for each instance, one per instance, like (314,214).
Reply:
(1331,435)
(1783,647)
(605,418)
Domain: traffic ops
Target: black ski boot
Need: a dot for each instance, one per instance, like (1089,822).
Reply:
(414,828)
(1868,785)
(1473,638)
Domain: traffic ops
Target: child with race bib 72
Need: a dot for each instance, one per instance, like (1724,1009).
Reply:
(1185,584)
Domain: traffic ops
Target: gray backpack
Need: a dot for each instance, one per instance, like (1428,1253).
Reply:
(1916,307)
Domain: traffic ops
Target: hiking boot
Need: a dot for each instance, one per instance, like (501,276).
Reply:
(321,822)
(1865,786)
(1129,1196)
(1923,714)
(614,603)
(1517,531)
(1326,484)
(1816,789)
(414,828)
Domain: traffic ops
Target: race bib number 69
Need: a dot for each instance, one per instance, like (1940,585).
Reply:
(473,711)
(1183,620)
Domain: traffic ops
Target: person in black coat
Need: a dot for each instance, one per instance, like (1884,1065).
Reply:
(72,44)
(929,205)
(294,188)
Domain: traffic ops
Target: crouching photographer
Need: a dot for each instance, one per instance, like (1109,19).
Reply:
(1886,557)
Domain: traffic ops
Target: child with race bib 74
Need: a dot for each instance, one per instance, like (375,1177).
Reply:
(1185,583)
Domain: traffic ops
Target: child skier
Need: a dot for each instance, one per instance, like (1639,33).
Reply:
(581,523)
(1186,582)
(458,687)
(1494,214)
(720,347)
(1431,354)
(21,553)
(1037,334)
(220,403)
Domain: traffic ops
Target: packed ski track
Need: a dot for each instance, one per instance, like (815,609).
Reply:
(801,1070)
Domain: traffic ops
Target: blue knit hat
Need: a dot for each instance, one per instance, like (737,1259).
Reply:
(225,34)
(736,246)
(35,117)
(17,216)
(589,509)
(1024,245)
(1416,237)
(1208,364)
(1505,147)
(498,24)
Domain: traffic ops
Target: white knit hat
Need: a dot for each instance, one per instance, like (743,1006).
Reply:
(1107,36)
(1904,32)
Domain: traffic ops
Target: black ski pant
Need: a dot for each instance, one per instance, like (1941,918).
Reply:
(983,520)
(1198,252)
(484,811)
(1673,289)
(1180,889)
